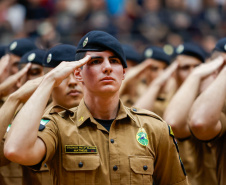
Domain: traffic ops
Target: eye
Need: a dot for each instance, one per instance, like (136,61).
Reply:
(95,61)
(115,61)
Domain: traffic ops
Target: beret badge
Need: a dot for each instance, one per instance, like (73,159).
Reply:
(13,45)
(180,49)
(31,57)
(85,42)
(49,58)
(148,53)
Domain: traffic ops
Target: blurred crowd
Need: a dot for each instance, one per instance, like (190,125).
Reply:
(138,22)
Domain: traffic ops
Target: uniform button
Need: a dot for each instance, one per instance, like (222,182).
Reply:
(115,168)
(45,165)
(112,141)
(145,167)
(80,164)
(135,110)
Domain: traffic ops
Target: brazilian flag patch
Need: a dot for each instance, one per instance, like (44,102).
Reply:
(142,137)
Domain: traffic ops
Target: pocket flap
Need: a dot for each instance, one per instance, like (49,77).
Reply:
(80,162)
(142,164)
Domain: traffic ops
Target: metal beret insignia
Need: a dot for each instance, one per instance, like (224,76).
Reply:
(148,53)
(225,47)
(13,45)
(31,57)
(49,58)
(180,49)
(142,137)
(85,42)
(168,49)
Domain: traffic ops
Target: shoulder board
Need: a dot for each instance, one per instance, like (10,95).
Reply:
(58,109)
(43,122)
(145,112)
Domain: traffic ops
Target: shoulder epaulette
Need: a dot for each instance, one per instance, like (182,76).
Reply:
(145,112)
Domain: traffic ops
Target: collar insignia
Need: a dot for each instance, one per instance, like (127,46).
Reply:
(81,119)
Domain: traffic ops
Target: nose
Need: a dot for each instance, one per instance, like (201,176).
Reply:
(72,80)
(107,68)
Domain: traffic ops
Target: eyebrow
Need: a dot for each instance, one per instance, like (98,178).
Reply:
(96,57)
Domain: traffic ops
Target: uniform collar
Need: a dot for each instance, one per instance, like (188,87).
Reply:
(83,113)
(57,109)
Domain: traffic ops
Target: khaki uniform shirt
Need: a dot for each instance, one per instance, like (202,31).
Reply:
(220,143)
(138,149)
(199,159)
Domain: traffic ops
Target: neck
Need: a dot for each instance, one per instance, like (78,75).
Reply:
(102,107)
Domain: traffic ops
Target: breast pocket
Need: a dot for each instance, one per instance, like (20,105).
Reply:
(80,169)
(142,168)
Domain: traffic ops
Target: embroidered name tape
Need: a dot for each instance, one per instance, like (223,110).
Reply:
(80,149)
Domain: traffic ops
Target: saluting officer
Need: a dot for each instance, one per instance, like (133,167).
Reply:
(101,141)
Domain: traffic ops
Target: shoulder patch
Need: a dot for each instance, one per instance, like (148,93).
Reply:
(145,112)
(43,122)
(8,128)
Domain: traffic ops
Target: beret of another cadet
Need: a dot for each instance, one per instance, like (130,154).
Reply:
(101,41)
(221,45)
(156,53)
(21,46)
(191,49)
(2,51)
(131,53)
(59,53)
(35,56)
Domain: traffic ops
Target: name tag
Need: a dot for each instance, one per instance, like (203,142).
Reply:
(80,149)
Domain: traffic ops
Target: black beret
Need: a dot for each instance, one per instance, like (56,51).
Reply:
(156,53)
(21,46)
(221,45)
(59,53)
(35,56)
(2,51)
(191,49)
(131,53)
(101,41)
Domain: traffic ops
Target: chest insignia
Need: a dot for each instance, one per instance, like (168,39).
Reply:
(81,119)
(78,149)
(142,137)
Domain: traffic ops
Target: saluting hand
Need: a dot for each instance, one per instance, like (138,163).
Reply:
(25,91)
(64,69)
(12,80)
(4,62)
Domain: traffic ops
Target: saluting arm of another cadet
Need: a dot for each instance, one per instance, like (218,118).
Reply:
(12,80)
(4,62)
(9,108)
(22,143)
(148,99)
(176,113)
(132,75)
(205,113)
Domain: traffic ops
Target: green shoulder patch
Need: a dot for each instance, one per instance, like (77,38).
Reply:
(8,128)
(142,137)
(43,122)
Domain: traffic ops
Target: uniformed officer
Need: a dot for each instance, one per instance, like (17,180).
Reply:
(132,56)
(101,141)
(141,76)
(207,121)
(198,157)
(16,49)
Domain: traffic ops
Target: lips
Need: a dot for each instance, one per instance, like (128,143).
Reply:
(107,79)
(74,93)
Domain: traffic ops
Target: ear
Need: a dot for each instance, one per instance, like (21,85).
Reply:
(78,75)
(124,73)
